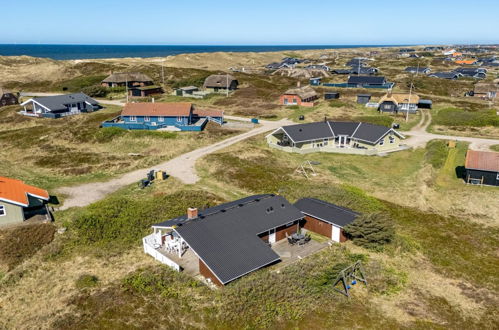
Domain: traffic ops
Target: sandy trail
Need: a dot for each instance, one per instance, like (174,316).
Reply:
(181,167)
(418,136)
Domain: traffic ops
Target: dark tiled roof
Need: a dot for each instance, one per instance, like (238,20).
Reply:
(226,238)
(327,212)
(366,80)
(309,131)
(445,75)
(321,130)
(343,128)
(370,132)
(58,102)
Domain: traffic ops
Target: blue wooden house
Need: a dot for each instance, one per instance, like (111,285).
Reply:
(177,116)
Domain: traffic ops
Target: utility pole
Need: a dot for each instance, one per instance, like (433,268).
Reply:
(163,73)
(126,88)
(409,104)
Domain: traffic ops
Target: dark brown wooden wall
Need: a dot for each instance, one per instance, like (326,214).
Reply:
(206,272)
(343,238)
(281,231)
(318,226)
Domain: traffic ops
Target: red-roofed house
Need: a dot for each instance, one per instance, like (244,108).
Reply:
(482,167)
(177,116)
(19,201)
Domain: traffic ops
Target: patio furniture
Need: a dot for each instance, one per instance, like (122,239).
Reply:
(291,241)
(297,236)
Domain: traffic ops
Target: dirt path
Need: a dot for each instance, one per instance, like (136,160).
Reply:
(181,167)
(418,136)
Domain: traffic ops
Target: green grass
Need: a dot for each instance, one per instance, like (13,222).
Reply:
(495,147)
(460,117)
(436,153)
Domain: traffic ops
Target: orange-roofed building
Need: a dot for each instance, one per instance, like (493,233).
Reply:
(482,167)
(19,201)
(174,116)
(466,61)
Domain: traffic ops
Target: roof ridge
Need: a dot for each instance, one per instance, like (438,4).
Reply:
(332,205)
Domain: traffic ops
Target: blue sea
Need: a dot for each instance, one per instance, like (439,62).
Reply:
(74,52)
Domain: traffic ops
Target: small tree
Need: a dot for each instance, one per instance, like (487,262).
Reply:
(95,91)
(371,231)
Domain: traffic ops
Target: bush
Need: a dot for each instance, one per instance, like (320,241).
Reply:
(436,153)
(376,120)
(108,134)
(87,281)
(126,220)
(95,91)
(371,231)
(77,84)
(460,117)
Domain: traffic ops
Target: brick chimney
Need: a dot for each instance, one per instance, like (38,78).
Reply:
(192,213)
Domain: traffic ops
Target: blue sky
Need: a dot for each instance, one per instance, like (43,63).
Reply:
(253,22)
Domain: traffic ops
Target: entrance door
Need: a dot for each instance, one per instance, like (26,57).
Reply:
(272,236)
(335,235)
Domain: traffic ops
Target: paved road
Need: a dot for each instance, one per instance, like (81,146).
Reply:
(418,136)
(181,167)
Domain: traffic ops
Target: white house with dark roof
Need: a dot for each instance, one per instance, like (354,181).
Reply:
(340,137)
(59,105)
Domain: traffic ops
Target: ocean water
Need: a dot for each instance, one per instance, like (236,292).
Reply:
(74,52)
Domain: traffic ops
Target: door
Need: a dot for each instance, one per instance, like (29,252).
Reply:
(272,236)
(335,235)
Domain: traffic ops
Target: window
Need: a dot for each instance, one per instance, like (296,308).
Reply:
(381,142)
(147,118)
(160,118)
(392,139)
(497,177)
(295,101)
(285,101)
(2,211)
(133,118)
(179,119)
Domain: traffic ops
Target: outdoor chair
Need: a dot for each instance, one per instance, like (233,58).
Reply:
(291,241)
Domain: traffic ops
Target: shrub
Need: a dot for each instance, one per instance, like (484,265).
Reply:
(77,84)
(108,134)
(127,220)
(95,91)
(371,231)
(460,117)
(87,281)
(376,120)
(436,153)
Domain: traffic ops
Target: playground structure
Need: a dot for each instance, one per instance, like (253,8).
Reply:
(352,273)
(305,167)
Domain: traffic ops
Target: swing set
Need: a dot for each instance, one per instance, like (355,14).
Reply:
(348,277)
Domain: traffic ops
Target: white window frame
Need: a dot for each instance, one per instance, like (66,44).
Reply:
(4,211)
(497,176)
(147,118)
(179,119)
(133,118)
(161,118)
(392,139)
